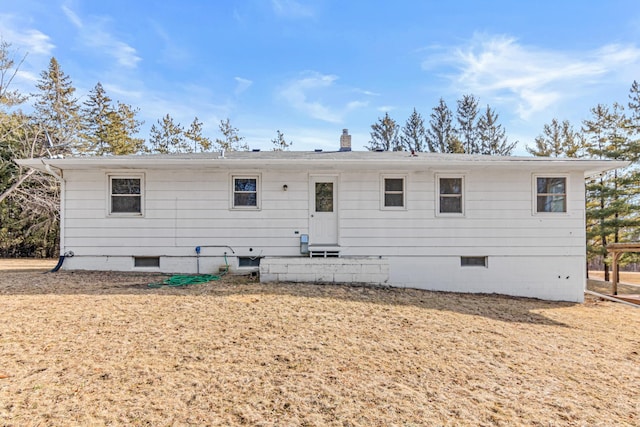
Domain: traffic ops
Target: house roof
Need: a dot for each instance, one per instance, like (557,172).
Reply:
(324,160)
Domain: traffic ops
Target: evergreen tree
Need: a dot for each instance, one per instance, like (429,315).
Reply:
(57,108)
(634,108)
(441,135)
(413,136)
(194,134)
(279,143)
(612,209)
(122,128)
(109,130)
(467,126)
(384,135)
(558,140)
(491,135)
(168,137)
(231,140)
(95,115)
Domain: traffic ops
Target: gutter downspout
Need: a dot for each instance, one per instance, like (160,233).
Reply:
(58,176)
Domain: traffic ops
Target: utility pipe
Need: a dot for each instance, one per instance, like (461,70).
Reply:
(199,248)
(63,186)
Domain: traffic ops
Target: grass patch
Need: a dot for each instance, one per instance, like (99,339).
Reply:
(96,348)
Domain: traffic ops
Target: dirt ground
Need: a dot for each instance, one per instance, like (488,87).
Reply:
(95,348)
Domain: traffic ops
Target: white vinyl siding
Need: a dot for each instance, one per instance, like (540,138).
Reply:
(497,218)
(185,208)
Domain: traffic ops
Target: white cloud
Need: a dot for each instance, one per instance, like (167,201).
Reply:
(296,94)
(291,9)
(93,35)
(72,16)
(30,40)
(242,85)
(386,108)
(318,96)
(532,78)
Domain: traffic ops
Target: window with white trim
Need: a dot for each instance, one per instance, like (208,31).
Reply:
(126,194)
(450,194)
(245,191)
(551,194)
(393,192)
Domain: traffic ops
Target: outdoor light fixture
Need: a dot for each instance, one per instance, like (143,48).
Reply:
(285,187)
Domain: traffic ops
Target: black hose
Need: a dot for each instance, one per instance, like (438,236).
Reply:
(61,260)
(57,267)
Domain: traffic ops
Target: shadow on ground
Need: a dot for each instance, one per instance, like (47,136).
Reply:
(492,306)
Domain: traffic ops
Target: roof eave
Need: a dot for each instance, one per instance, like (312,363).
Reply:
(589,167)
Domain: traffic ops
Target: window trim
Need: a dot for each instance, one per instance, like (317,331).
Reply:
(383,178)
(534,194)
(440,176)
(125,175)
(232,192)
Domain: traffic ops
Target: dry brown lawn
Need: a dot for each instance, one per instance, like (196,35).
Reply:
(89,348)
(631,277)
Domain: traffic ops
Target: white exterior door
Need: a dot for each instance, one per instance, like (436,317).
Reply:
(323,210)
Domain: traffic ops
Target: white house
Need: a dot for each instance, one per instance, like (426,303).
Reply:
(464,223)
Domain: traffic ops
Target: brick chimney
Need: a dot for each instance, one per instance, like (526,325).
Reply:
(345,140)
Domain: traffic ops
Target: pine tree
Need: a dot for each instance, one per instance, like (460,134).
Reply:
(467,126)
(413,136)
(57,109)
(279,143)
(109,130)
(612,208)
(194,134)
(168,137)
(558,140)
(95,115)
(231,141)
(384,135)
(491,135)
(441,135)
(122,128)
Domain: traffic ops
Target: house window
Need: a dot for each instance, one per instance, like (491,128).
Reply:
(551,194)
(473,261)
(450,194)
(245,192)
(125,194)
(393,192)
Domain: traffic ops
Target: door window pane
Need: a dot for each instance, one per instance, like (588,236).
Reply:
(324,196)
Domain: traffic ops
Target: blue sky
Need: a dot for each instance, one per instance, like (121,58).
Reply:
(312,68)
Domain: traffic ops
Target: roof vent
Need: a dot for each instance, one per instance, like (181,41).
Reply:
(379,150)
(318,150)
(255,150)
(345,140)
